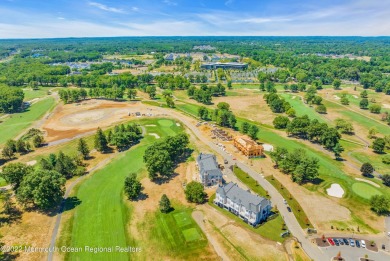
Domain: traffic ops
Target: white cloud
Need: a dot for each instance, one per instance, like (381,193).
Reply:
(106,8)
(259,20)
(60,18)
(169,2)
(229,2)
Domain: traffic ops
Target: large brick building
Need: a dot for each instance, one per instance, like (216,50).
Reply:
(248,147)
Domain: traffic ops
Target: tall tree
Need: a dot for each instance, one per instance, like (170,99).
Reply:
(42,188)
(132,186)
(100,141)
(82,148)
(252,132)
(195,192)
(338,149)
(14,173)
(379,145)
(367,169)
(165,204)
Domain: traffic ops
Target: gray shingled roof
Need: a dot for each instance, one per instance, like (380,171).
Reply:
(208,164)
(244,197)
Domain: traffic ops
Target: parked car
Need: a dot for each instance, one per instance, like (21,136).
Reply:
(363,243)
(341,242)
(357,243)
(351,242)
(331,241)
(225,161)
(336,241)
(289,209)
(285,201)
(345,241)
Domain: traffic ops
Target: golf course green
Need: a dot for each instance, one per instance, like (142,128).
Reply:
(365,190)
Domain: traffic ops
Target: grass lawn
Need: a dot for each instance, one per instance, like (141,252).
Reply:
(245,86)
(102,211)
(365,190)
(374,159)
(270,229)
(296,208)
(191,109)
(250,182)
(3,182)
(301,108)
(362,120)
(175,234)
(30,94)
(18,122)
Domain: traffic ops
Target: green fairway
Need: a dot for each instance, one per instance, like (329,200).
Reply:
(301,108)
(17,122)
(365,190)
(191,234)
(102,211)
(356,118)
(30,94)
(182,219)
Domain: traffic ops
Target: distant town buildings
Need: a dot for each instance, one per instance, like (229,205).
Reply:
(248,147)
(253,209)
(204,47)
(209,171)
(229,65)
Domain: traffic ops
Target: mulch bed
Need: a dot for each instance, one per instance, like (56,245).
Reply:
(338,259)
(364,259)
(372,248)
(321,243)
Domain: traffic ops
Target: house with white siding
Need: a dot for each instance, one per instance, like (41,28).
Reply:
(209,171)
(251,208)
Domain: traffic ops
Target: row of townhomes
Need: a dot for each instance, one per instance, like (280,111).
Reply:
(253,209)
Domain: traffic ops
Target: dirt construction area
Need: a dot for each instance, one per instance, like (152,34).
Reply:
(70,120)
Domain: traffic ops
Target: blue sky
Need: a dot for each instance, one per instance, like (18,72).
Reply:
(88,18)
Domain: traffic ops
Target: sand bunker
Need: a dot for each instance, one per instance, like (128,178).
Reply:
(335,190)
(154,135)
(177,124)
(336,97)
(386,106)
(369,182)
(150,125)
(268,147)
(355,96)
(293,97)
(31,163)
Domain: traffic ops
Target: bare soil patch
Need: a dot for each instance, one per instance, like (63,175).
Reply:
(252,107)
(241,238)
(70,120)
(32,230)
(315,204)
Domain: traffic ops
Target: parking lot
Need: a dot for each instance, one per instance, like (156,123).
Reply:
(332,246)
